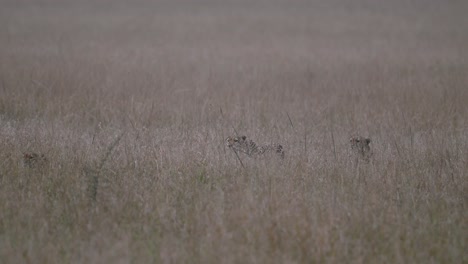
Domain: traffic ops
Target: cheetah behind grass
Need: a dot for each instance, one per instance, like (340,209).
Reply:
(360,146)
(250,148)
(33,160)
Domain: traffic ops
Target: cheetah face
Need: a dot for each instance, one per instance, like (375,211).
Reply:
(359,142)
(33,159)
(234,142)
(360,146)
(241,144)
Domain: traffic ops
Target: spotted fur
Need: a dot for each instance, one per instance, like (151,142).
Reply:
(249,147)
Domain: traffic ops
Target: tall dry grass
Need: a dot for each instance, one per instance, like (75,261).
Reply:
(131,104)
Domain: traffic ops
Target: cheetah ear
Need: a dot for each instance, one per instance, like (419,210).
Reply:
(368,141)
(243,137)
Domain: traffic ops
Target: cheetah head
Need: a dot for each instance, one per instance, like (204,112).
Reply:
(31,159)
(235,141)
(359,141)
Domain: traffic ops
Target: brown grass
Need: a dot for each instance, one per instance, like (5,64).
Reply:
(131,104)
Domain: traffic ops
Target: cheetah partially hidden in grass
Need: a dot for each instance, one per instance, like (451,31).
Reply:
(360,147)
(33,160)
(249,147)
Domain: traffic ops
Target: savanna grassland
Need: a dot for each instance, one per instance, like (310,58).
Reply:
(130,103)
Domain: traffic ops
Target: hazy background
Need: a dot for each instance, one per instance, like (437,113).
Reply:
(131,101)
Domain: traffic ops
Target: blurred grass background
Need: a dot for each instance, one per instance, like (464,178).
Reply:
(156,86)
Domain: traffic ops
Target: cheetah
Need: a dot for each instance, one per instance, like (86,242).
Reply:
(360,146)
(251,149)
(32,159)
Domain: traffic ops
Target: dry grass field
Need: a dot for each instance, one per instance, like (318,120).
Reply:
(130,102)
